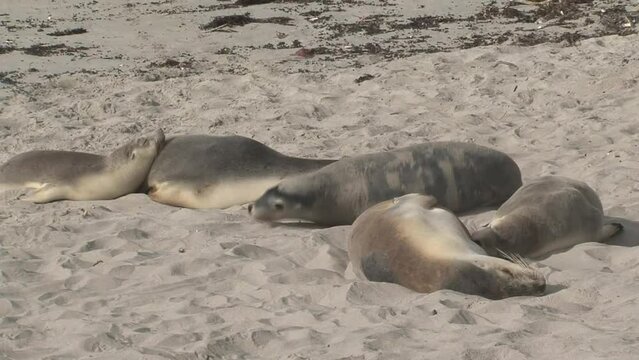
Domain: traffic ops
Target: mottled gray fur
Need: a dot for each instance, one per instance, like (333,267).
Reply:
(461,176)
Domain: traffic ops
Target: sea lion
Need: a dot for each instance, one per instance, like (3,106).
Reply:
(461,176)
(410,242)
(545,215)
(202,171)
(51,175)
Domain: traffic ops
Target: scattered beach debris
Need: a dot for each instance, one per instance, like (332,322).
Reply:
(172,63)
(9,78)
(74,31)
(363,78)
(253,2)
(48,50)
(369,25)
(391,36)
(618,20)
(562,9)
(6,48)
(310,52)
(424,22)
(240,20)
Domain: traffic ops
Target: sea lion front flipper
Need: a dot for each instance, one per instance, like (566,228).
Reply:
(43,194)
(609,230)
(376,267)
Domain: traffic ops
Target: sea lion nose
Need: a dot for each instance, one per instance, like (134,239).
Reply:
(250,208)
(541,288)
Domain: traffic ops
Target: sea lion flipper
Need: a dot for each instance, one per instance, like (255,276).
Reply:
(43,194)
(609,230)
(376,267)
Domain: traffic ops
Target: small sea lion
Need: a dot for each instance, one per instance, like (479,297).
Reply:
(51,175)
(461,176)
(547,214)
(411,242)
(202,171)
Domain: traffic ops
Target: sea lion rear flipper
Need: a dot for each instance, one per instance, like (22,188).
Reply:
(44,194)
(609,230)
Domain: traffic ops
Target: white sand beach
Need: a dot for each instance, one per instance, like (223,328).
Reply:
(134,279)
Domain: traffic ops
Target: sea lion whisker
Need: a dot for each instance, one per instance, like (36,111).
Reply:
(514,258)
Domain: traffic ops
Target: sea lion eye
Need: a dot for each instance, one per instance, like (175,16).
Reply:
(279,206)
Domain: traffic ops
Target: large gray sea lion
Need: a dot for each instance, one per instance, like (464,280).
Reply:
(51,175)
(547,214)
(410,242)
(202,171)
(461,176)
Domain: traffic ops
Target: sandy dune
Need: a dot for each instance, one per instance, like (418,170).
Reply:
(133,279)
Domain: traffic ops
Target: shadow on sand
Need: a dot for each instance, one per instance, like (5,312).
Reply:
(295,225)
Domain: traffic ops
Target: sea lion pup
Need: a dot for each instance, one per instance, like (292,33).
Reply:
(52,175)
(461,176)
(202,171)
(547,214)
(410,242)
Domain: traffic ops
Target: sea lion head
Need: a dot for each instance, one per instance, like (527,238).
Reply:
(277,204)
(512,233)
(143,149)
(496,278)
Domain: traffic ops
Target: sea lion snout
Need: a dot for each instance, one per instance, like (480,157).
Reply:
(540,288)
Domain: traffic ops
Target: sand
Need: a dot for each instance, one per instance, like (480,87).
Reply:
(133,279)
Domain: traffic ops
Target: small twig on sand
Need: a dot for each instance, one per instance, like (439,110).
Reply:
(219,27)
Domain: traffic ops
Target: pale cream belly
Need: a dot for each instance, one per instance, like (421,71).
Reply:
(101,186)
(218,196)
